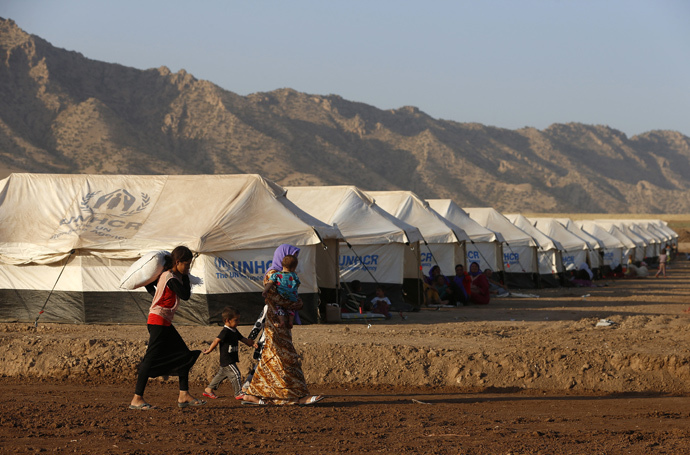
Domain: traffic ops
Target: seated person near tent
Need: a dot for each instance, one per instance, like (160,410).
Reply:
(434,272)
(431,283)
(381,303)
(461,284)
(442,290)
(634,271)
(630,271)
(583,267)
(480,286)
(495,287)
(353,299)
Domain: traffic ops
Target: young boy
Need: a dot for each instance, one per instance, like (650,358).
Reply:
(286,283)
(229,354)
(381,303)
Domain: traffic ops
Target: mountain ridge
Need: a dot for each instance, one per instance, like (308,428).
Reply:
(62,112)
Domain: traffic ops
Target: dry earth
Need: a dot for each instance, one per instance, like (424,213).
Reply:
(522,375)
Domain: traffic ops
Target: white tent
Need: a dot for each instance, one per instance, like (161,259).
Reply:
(654,241)
(655,229)
(663,227)
(629,244)
(548,251)
(613,248)
(443,242)
(483,246)
(574,248)
(593,244)
(72,237)
(379,249)
(640,243)
(519,249)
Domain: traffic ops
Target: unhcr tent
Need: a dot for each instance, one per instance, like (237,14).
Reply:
(628,244)
(483,246)
(663,227)
(574,249)
(640,243)
(612,247)
(594,247)
(548,250)
(519,249)
(655,229)
(66,240)
(442,243)
(379,249)
(654,242)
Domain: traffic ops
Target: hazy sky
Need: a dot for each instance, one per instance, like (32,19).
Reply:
(506,63)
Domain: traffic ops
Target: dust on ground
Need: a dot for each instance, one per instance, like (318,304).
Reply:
(521,375)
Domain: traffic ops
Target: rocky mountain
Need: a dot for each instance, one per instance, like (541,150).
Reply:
(63,113)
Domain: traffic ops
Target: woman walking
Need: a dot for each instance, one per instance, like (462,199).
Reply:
(167,354)
(278,378)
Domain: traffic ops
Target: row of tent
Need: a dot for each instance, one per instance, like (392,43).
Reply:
(66,240)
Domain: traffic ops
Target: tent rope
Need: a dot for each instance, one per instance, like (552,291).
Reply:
(333,260)
(51,291)
(519,263)
(362,262)
(488,265)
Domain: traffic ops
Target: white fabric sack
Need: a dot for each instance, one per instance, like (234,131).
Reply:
(144,271)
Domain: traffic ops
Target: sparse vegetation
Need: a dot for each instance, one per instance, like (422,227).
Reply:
(172,123)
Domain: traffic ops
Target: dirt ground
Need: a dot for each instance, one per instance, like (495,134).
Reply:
(519,376)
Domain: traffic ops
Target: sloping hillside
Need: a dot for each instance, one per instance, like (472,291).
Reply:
(61,112)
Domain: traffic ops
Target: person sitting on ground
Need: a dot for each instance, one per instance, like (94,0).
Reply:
(582,277)
(442,290)
(461,285)
(630,268)
(495,287)
(432,282)
(381,303)
(583,267)
(433,273)
(480,286)
(354,301)
(431,296)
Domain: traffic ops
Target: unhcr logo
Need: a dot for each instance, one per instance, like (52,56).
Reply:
(116,203)
(253,270)
(102,214)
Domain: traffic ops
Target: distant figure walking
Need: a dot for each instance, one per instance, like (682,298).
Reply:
(662,265)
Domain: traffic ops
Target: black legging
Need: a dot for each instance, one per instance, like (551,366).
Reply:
(166,355)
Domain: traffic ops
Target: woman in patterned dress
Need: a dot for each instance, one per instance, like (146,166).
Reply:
(278,378)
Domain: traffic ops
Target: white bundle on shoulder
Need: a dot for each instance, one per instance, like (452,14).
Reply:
(145,270)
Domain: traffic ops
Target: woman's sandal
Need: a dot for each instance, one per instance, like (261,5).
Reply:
(195,402)
(312,399)
(255,403)
(142,407)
